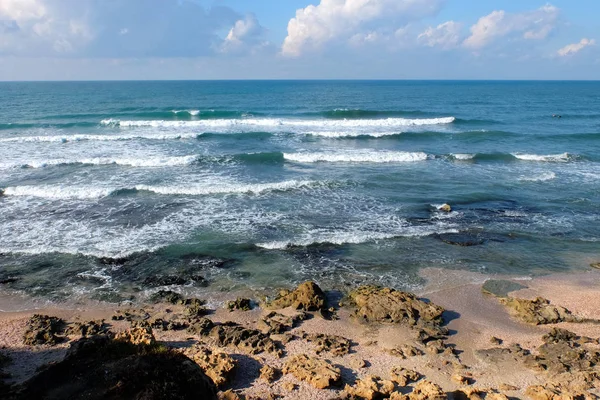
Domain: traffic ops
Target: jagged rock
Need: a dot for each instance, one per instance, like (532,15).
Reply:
(230,395)
(83,329)
(220,367)
(171,325)
(313,370)
(131,315)
(98,368)
(445,207)
(248,340)
(336,345)
(308,296)
(376,304)
(563,357)
(239,304)
(139,335)
(200,326)
(167,296)
(275,323)
(508,388)
(557,335)
(358,363)
(194,307)
(426,390)
(462,379)
(498,355)
(289,386)
(554,391)
(269,374)
(405,351)
(403,376)
(538,311)
(174,280)
(437,346)
(43,329)
(370,388)
(477,394)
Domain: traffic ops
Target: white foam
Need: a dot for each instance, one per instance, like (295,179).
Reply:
(58,192)
(99,138)
(463,156)
(190,112)
(545,176)
(131,162)
(563,157)
(357,157)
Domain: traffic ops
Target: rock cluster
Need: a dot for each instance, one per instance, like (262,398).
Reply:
(240,303)
(43,329)
(370,387)
(538,311)
(220,367)
(333,344)
(313,370)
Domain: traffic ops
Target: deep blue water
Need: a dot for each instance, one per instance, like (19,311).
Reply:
(108,184)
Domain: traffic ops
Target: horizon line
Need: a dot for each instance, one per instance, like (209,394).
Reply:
(296,80)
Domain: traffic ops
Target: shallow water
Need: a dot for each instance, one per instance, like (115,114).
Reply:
(109,184)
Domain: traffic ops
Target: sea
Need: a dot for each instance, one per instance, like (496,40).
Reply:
(110,191)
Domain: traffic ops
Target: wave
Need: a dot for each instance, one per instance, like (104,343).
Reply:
(563,157)
(357,157)
(130,162)
(86,193)
(99,138)
(545,176)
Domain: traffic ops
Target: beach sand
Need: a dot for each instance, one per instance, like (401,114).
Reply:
(472,318)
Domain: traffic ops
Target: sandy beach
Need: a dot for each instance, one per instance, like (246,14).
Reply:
(480,346)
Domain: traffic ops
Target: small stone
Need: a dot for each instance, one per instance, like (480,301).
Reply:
(336,345)
(495,340)
(507,388)
(461,379)
(358,363)
(405,351)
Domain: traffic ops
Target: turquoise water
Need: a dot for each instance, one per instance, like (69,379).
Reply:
(109,185)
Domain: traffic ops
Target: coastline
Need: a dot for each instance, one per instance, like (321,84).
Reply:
(471,317)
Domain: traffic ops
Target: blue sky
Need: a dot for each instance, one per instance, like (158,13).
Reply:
(295,39)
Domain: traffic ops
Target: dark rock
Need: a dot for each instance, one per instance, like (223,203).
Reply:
(5,281)
(277,323)
(43,329)
(220,367)
(174,280)
(335,345)
(131,315)
(194,307)
(83,329)
(248,340)
(171,325)
(101,368)
(461,239)
(501,288)
(239,304)
(166,296)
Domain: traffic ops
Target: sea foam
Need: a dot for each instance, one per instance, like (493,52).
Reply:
(357,157)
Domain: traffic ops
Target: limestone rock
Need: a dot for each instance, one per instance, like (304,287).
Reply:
(405,351)
(289,386)
(269,374)
(477,394)
(43,329)
(230,395)
(370,388)
(139,335)
(83,329)
(313,370)
(276,323)
(194,307)
(308,296)
(168,325)
(376,304)
(239,304)
(538,311)
(495,340)
(462,379)
(220,367)
(426,390)
(403,376)
(131,315)
(333,344)
(248,340)
(167,296)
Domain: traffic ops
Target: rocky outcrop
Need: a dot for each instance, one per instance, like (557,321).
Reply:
(570,387)
(139,336)
(426,390)
(220,367)
(538,311)
(240,303)
(405,351)
(376,304)
(277,323)
(167,296)
(100,368)
(269,374)
(168,325)
(370,387)
(194,308)
(43,329)
(333,344)
(477,394)
(403,376)
(308,297)
(83,329)
(313,370)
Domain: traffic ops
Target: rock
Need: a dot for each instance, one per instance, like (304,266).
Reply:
(171,325)
(336,345)
(426,390)
(477,394)
(200,326)
(269,374)
(131,315)
(167,296)
(562,357)
(538,311)
(499,355)
(6,281)
(140,335)
(445,208)
(248,340)
(277,323)
(370,387)
(595,265)
(98,368)
(220,367)
(313,370)
(83,329)
(239,304)
(405,351)
(174,280)
(495,340)
(358,363)
(43,329)
(308,297)
(500,288)
(462,379)
(230,395)
(194,307)
(508,388)
(403,376)
(463,239)
(376,304)
(557,335)
(289,386)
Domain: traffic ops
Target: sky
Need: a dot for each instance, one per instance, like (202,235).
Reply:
(299,39)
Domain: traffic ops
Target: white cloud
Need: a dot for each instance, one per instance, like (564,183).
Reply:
(575,48)
(332,20)
(536,24)
(246,34)
(446,35)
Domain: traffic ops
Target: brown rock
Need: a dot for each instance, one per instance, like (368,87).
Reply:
(230,395)
(248,340)
(43,329)
(83,329)
(371,387)
(220,367)
(278,323)
(376,304)
(538,311)
(168,325)
(289,386)
(308,297)
(240,303)
(462,379)
(508,388)
(477,394)
(405,351)
(495,340)
(194,307)
(269,374)
(595,265)
(358,363)
(426,390)
(445,207)
(403,376)
(336,345)
(139,335)
(313,370)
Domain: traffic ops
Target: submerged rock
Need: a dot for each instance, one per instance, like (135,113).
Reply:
(166,296)
(308,297)
(462,239)
(102,368)
(240,303)
(43,329)
(376,304)
(313,370)
(220,367)
(538,311)
(501,288)
(370,387)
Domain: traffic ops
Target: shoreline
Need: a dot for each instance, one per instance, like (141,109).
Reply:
(471,317)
